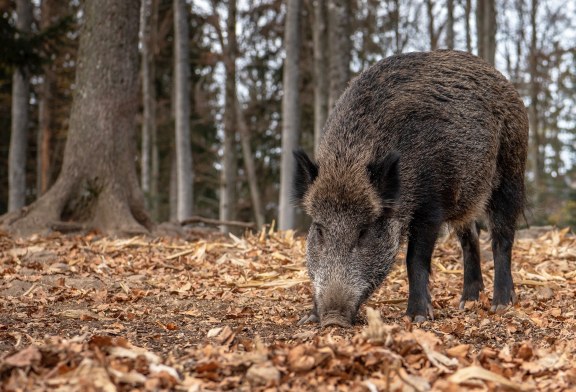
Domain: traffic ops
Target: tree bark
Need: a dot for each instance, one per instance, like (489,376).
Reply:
(155,159)
(321,69)
(98,185)
(248,157)
(20,123)
(290,113)
(173,191)
(49,11)
(340,47)
(533,115)
(229,165)
(486,29)
(467,11)
(182,111)
(146,87)
(149,164)
(450,24)
(431,28)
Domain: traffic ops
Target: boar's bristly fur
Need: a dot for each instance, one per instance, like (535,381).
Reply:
(416,141)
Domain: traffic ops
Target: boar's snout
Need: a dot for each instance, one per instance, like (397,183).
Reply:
(338,305)
(336,319)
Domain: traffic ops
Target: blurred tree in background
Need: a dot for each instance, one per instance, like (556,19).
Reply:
(236,64)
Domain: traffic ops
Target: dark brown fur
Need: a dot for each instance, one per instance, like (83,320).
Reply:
(460,131)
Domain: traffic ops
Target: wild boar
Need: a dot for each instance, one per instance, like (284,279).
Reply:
(416,141)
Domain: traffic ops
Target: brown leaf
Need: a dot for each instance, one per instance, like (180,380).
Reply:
(262,374)
(207,367)
(477,372)
(525,351)
(24,357)
(459,351)
(299,360)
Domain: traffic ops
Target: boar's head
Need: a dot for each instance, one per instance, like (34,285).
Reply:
(354,237)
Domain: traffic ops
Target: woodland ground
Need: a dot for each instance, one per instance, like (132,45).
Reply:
(219,313)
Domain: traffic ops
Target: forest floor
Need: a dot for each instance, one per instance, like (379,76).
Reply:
(219,313)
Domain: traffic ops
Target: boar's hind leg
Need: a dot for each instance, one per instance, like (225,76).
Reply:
(418,258)
(504,207)
(473,283)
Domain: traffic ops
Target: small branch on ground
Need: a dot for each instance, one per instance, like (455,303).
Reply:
(216,222)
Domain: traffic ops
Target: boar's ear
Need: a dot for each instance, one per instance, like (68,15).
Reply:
(385,177)
(306,173)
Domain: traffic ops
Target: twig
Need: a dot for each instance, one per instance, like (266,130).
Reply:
(216,222)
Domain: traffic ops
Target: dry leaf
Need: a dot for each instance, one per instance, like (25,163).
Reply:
(263,374)
(24,357)
(459,351)
(477,372)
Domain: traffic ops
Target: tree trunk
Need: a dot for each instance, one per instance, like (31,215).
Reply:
(431,28)
(321,69)
(20,106)
(146,87)
(155,159)
(229,166)
(248,157)
(486,29)
(534,88)
(49,11)
(397,33)
(173,191)
(450,24)
(290,113)
(340,47)
(148,25)
(182,111)
(98,185)
(467,11)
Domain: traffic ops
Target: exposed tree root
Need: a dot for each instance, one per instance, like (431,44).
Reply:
(110,210)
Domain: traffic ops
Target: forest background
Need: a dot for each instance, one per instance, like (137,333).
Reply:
(228,88)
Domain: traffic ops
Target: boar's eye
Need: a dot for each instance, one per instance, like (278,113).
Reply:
(319,230)
(362,234)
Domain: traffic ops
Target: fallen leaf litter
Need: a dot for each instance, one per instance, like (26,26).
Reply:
(214,313)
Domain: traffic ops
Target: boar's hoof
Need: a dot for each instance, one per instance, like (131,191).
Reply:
(335,320)
(502,306)
(310,318)
(419,318)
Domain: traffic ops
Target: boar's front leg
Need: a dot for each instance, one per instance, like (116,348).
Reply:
(422,238)
(473,283)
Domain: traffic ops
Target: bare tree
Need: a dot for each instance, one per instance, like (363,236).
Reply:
(98,186)
(533,115)
(229,165)
(486,29)
(149,148)
(467,11)
(321,69)
(182,111)
(48,12)
(431,25)
(290,113)
(450,24)
(20,124)
(248,157)
(396,22)
(340,47)
(155,159)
